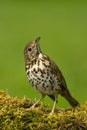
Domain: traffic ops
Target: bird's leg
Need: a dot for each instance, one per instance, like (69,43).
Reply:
(55,101)
(37,102)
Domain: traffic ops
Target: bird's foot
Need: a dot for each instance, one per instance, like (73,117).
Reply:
(30,108)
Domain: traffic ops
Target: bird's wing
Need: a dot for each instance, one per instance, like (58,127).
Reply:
(55,70)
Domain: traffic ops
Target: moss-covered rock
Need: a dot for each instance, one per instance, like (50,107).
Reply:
(15,116)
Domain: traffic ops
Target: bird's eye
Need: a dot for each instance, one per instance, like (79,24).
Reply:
(29,49)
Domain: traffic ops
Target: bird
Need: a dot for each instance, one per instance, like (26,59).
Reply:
(45,76)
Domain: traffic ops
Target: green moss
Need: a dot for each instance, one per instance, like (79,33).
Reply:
(15,116)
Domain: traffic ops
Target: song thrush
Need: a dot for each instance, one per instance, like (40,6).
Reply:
(44,75)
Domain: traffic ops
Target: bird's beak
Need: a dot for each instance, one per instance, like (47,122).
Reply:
(37,40)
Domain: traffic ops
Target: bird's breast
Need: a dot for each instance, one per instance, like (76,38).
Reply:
(41,78)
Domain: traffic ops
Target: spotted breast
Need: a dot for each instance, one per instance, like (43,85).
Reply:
(40,76)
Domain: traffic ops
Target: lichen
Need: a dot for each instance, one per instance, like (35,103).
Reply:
(14,115)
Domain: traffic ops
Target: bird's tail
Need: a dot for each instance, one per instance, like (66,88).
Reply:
(72,101)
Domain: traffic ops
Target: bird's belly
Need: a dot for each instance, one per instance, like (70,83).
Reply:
(44,82)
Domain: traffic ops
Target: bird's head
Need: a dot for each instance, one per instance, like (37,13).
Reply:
(32,50)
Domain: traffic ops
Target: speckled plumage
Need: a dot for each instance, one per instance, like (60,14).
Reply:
(44,75)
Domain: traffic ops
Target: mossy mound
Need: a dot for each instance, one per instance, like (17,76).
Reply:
(14,116)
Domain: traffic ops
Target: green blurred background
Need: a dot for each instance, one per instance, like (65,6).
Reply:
(63,30)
